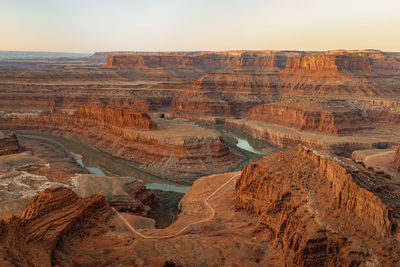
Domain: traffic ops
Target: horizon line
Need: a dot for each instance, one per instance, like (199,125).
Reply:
(199,50)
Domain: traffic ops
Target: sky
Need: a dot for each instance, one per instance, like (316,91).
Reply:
(193,25)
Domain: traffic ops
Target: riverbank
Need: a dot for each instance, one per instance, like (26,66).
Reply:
(167,193)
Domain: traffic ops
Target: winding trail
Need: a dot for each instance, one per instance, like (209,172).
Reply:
(187,226)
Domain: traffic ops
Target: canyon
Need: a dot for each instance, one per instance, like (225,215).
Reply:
(280,205)
(319,187)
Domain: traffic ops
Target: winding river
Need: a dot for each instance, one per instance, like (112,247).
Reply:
(100,163)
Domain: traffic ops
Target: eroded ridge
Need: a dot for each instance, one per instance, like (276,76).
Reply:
(321,210)
(56,214)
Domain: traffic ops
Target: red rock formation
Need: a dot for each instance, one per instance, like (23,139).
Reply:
(8,144)
(240,90)
(114,117)
(138,199)
(54,215)
(383,63)
(122,193)
(333,117)
(190,152)
(321,211)
(397,159)
(330,64)
(197,106)
(263,61)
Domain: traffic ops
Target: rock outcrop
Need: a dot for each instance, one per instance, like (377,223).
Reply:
(188,108)
(8,144)
(334,117)
(397,159)
(122,193)
(262,61)
(54,215)
(347,64)
(114,117)
(322,211)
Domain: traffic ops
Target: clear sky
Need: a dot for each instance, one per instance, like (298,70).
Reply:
(170,25)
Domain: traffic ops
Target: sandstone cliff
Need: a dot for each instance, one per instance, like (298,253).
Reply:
(397,159)
(54,215)
(262,61)
(191,108)
(8,144)
(330,64)
(322,212)
(114,117)
(332,117)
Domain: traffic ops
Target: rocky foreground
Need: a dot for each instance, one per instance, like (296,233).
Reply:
(298,207)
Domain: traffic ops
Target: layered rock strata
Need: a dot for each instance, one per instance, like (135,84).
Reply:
(262,61)
(396,159)
(176,149)
(330,64)
(8,144)
(325,116)
(114,117)
(321,211)
(54,215)
(195,108)
(123,193)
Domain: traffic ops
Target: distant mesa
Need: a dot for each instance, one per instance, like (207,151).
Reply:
(345,64)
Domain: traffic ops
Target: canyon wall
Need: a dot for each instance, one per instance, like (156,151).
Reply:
(8,144)
(396,159)
(347,64)
(321,211)
(176,150)
(262,61)
(114,117)
(325,116)
(54,215)
(194,108)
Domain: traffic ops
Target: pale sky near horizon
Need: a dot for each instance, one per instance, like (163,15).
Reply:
(172,25)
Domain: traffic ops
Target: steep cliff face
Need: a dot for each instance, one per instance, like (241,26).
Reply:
(381,111)
(55,214)
(397,159)
(340,74)
(321,211)
(8,144)
(332,117)
(240,90)
(383,63)
(346,64)
(262,61)
(196,106)
(115,117)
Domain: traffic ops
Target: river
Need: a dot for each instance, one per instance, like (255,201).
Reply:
(100,163)
(244,144)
